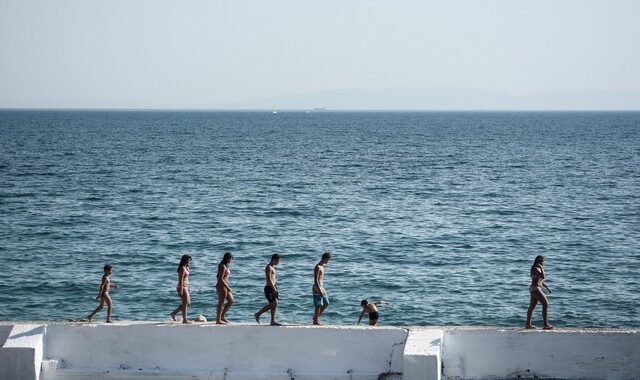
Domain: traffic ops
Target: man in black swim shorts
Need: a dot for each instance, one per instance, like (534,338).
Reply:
(270,290)
(372,310)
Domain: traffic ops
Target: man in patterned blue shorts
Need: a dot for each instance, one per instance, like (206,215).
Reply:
(320,296)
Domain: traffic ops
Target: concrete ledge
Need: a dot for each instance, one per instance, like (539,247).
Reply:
(211,375)
(421,359)
(204,351)
(504,354)
(21,353)
(148,350)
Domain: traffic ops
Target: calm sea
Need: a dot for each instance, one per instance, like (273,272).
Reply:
(439,213)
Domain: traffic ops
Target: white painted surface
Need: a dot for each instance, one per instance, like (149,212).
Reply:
(21,353)
(207,351)
(143,350)
(421,360)
(491,354)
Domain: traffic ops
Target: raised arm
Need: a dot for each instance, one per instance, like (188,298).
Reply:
(381,302)
(540,272)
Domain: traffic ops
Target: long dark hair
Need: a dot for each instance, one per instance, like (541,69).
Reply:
(226,259)
(537,261)
(184,262)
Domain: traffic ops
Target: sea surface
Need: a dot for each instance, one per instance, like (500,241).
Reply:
(440,213)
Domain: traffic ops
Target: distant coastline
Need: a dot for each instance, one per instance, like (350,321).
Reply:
(388,100)
(296,110)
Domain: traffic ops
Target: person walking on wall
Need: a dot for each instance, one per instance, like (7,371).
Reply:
(223,289)
(103,294)
(183,288)
(270,290)
(320,295)
(537,295)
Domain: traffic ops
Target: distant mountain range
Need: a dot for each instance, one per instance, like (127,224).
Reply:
(445,99)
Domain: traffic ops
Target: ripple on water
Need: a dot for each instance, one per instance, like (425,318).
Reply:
(439,213)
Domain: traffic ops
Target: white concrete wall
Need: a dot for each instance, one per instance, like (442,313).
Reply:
(422,354)
(208,351)
(502,354)
(21,352)
(173,351)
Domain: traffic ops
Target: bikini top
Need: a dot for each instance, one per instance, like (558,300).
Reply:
(538,276)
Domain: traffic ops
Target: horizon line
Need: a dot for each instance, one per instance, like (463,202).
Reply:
(326,110)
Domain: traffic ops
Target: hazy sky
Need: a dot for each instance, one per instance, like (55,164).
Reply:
(193,54)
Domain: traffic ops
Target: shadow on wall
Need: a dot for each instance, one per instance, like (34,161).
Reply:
(5,330)
(33,332)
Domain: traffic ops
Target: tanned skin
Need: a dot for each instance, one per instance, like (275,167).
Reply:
(270,276)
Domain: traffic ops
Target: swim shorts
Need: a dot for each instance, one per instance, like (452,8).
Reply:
(320,300)
(270,294)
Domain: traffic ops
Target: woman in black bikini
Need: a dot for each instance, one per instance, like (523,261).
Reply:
(535,290)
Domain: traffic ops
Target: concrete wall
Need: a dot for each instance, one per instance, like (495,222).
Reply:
(422,354)
(5,330)
(233,352)
(204,351)
(502,354)
(21,352)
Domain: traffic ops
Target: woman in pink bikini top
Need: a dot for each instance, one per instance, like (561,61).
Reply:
(223,289)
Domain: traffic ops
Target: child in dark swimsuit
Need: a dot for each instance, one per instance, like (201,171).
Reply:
(103,295)
(372,310)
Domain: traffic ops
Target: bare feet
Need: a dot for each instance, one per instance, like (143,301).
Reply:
(109,321)
(89,319)
(548,327)
(275,324)
(257,317)
(186,322)
(317,322)
(530,327)
(224,320)
(221,323)
(173,316)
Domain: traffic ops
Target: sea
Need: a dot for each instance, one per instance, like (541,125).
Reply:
(439,213)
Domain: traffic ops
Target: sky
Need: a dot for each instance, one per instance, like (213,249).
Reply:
(212,54)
